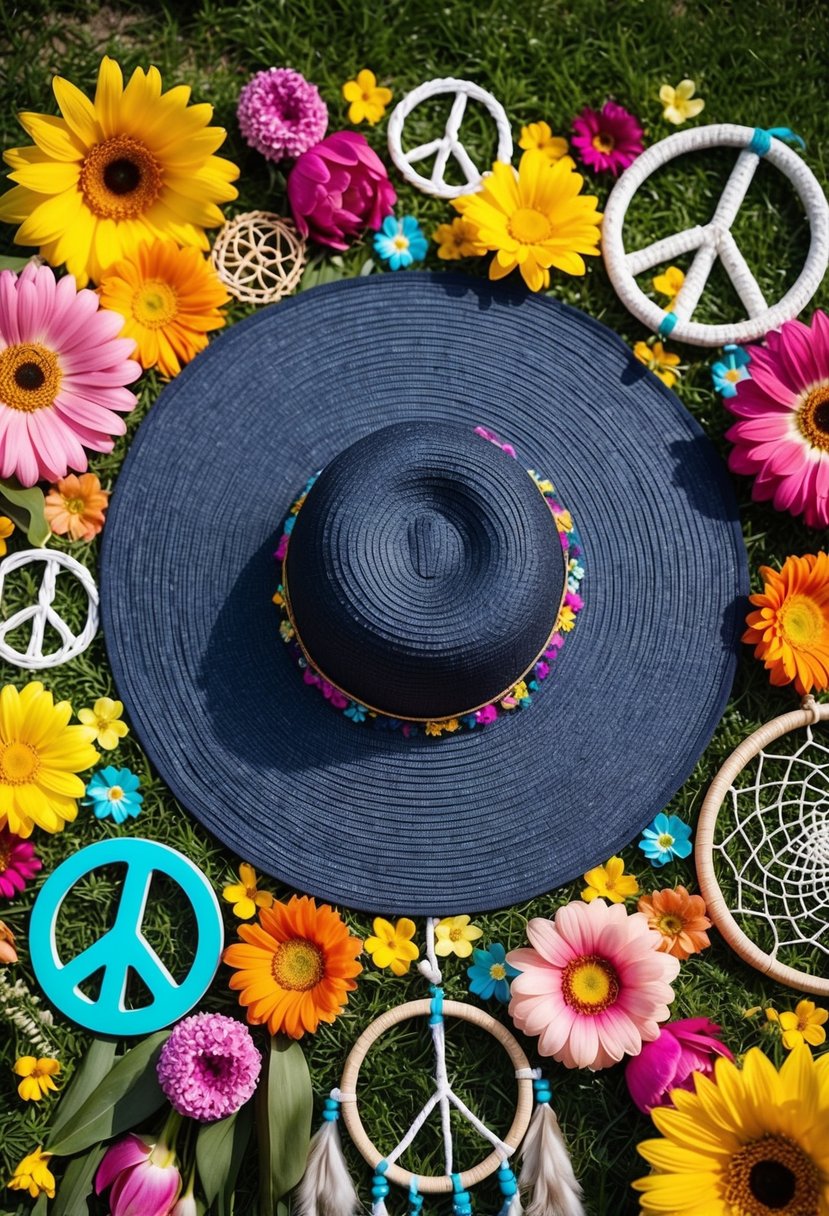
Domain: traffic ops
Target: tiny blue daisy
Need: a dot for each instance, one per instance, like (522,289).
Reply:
(733,368)
(400,242)
(113,791)
(666,838)
(490,974)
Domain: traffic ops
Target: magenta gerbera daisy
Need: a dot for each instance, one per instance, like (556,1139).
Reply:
(62,375)
(18,863)
(209,1066)
(607,140)
(782,436)
(281,114)
(594,985)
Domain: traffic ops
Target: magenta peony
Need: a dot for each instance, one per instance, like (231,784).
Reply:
(281,114)
(683,1048)
(209,1066)
(144,1178)
(339,188)
(607,140)
(18,863)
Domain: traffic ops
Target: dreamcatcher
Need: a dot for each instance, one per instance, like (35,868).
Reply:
(546,1177)
(763,835)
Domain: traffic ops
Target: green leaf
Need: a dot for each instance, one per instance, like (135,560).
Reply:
(16,264)
(220,1148)
(77,1183)
(41,1207)
(129,1094)
(27,510)
(96,1064)
(284,1102)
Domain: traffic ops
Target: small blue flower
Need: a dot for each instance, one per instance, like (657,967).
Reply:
(490,974)
(113,791)
(667,837)
(400,242)
(357,713)
(731,370)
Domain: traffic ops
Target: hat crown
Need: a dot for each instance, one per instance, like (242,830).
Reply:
(424,571)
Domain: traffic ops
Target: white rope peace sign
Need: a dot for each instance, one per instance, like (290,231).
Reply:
(714,240)
(42,613)
(449,143)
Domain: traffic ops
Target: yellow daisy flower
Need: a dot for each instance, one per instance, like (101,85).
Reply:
(245,896)
(669,283)
(455,935)
(368,99)
(539,135)
(609,882)
(37,1077)
(105,716)
(392,945)
(40,755)
(33,1175)
(678,102)
(658,360)
(135,165)
(6,529)
(457,240)
(533,219)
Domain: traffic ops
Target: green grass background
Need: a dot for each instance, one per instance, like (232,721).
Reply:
(760,64)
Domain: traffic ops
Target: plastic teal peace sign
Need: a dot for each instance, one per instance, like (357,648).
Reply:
(123,947)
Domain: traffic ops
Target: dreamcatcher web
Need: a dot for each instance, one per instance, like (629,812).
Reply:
(776,846)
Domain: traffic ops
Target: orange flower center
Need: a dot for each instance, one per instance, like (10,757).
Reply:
(772,1176)
(5,854)
(498,971)
(298,965)
(455,934)
(18,763)
(120,178)
(115,793)
(77,506)
(604,142)
(800,621)
(589,984)
(30,376)
(154,304)
(670,924)
(529,226)
(813,417)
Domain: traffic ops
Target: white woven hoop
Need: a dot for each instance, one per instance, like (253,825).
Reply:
(449,143)
(716,906)
(259,256)
(42,613)
(714,240)
(441,1185)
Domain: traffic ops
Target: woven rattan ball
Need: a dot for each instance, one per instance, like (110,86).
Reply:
(259,257)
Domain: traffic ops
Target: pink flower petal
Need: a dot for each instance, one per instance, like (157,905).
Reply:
(121,1156)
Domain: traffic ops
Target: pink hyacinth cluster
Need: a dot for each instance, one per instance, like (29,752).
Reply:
(684,1048)
(281,114)
(607,140)
(339,188)
(18,863)
(209,1066)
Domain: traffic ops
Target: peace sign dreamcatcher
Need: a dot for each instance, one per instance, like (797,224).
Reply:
(762,849)
(546,1178)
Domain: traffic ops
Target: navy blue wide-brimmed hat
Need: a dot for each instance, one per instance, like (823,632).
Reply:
(424,574)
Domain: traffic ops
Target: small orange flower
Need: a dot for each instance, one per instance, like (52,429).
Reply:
(8,954)
(6,529)
(539,135)
(680,918)
(457,240)
(76,505)
(660,361)
(790,630)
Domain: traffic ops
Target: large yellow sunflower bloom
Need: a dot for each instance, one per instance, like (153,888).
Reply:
(533,219)
(133,166)
(753,1144)
(40,755)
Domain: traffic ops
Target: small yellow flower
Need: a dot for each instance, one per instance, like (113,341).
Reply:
(33,1175)
(658,360)
(566,619)
(805,1025)
(669,283)
(455,935)
(392,945)
(368,99)
(539,135)
(457,240)
(278,598)
(6,529)
(105,716)
(37,1077)
(609,882)
(245,896)
(286,630)
(677,102)
(564,520)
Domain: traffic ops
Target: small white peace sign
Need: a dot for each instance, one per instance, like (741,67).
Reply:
(449,143)
(42,613)
(714,240)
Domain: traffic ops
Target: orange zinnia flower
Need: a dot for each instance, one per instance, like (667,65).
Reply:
(170,300)
(76,505)
(790,632)
(296,966)
(680,918)
(8,954)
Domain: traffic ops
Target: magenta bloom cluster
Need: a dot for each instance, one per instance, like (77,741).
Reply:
(18,863)
(209,1066)
(339,188)
(671,1061)
(607,140)
(281,114)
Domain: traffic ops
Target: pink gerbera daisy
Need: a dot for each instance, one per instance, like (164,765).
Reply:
(18,863)
(782,437)
(62,375)
(607,140)
(594,985)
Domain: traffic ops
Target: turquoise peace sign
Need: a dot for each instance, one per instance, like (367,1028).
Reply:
(123,948)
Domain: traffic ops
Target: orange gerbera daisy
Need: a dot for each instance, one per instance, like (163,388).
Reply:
(170,298)
(680,918)
(76,505)
(790,632)
(295,968)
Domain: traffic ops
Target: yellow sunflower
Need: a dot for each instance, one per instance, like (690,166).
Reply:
(40,755)
(533,219)
(133,166)
(753,1144)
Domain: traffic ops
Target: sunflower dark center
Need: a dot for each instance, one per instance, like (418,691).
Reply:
(29,376)
(773,1176)
(773,1183)
(122,176)
(813,417)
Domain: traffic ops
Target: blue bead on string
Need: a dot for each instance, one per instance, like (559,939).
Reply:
(331,1110)
(436,1007)
(509,1186)
(542,1090)
(667,324)
(379,1185)
(415,1199)
(461,1201)
(760,142)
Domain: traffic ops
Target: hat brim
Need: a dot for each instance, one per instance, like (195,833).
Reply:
(363,817)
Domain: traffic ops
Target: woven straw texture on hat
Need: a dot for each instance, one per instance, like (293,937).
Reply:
(364,817)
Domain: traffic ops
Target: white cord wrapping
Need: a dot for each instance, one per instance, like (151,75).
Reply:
(42,612)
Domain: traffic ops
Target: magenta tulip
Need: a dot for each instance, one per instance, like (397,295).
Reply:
(338,188)
(144,1178)
(669,1062)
